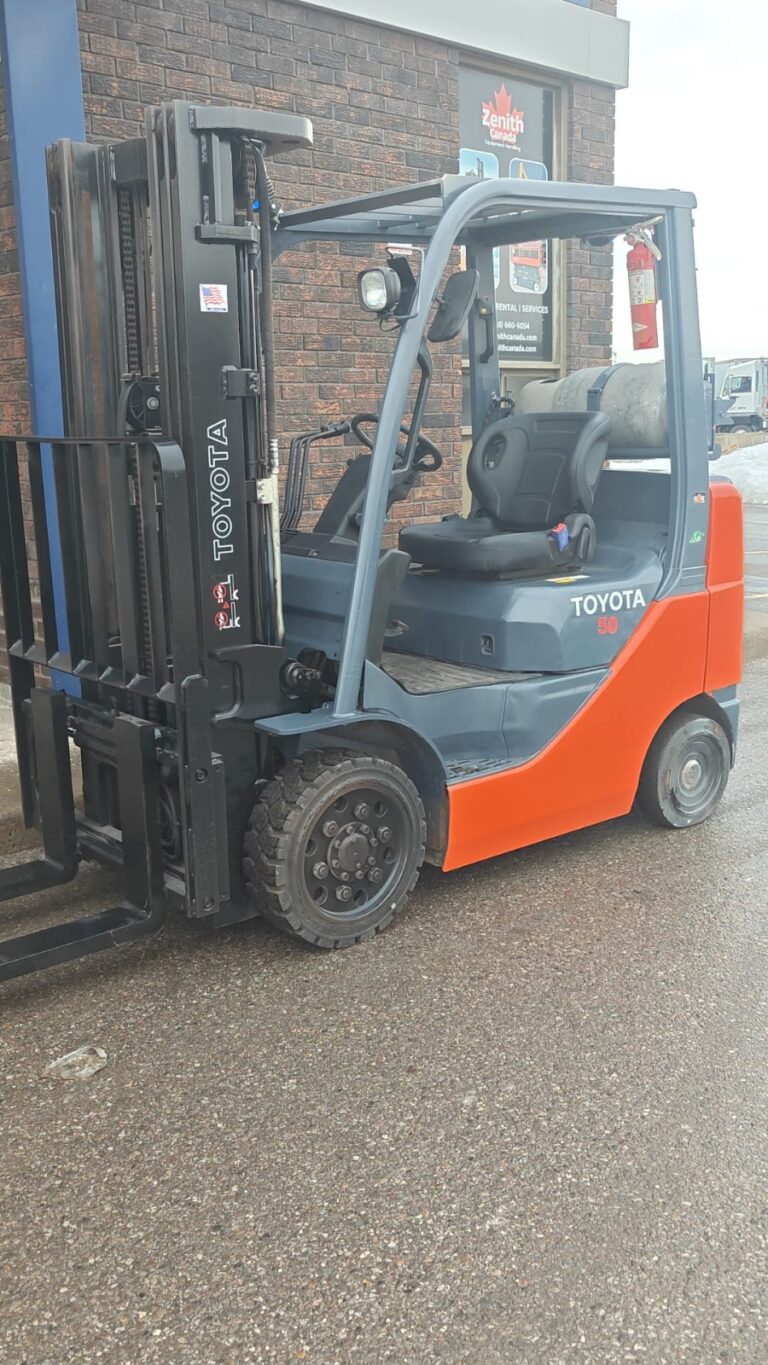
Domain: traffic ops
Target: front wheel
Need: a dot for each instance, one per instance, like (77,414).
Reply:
(685,772)
(334,847)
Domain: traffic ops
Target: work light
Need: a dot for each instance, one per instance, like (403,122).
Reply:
(379,289)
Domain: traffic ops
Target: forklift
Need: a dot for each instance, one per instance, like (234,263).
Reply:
(285,722)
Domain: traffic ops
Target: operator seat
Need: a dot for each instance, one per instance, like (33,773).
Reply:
(533,477)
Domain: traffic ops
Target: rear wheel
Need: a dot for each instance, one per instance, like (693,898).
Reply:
(334,846)
(685,772)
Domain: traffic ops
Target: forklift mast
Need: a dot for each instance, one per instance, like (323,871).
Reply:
(173,618)
(163,275)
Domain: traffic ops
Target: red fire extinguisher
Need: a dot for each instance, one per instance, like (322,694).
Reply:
(643,298)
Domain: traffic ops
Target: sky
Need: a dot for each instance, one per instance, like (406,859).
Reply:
(695,117)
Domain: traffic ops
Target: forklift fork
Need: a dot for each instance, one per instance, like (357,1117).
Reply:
(143,909)
(56,804)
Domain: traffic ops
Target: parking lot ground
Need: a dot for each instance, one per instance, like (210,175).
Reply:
(756,557)
(528,1124)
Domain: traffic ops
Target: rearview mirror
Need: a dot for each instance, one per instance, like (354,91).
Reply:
(458,296)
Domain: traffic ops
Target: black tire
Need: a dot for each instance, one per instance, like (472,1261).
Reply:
(685,772)
(330,880)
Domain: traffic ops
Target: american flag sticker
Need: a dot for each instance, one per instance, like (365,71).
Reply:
(213,298)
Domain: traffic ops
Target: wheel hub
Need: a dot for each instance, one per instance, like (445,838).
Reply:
(691,774)
(696,776)
(355,851)
(351,850)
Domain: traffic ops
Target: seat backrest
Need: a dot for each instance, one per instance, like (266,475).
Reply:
(530,470)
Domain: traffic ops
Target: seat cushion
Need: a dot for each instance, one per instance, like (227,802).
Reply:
(475,545)
(528,471)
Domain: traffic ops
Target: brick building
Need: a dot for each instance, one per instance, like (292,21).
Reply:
(391,103)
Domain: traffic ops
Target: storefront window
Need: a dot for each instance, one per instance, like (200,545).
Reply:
(506,128)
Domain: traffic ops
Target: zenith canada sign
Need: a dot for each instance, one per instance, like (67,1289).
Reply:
(506,128)
(504,122)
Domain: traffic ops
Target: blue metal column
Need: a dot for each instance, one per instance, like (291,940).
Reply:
(43,89)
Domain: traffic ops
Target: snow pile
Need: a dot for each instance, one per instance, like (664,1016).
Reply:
(747,469)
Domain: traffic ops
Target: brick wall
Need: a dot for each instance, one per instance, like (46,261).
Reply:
(591,128)
(14,405)
(385,111)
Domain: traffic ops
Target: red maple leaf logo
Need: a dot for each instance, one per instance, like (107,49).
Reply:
(501,104)
(503,118)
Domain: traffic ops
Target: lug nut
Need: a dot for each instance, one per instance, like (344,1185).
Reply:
(361,810)
(320,870)
(375,874)
(344,876)
(373,841)
(385,834)
(360,874)
(335,863)
(343,893)
(330,828)
(371,860)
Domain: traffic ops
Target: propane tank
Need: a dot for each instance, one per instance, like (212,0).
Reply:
(643,297)
(633,396)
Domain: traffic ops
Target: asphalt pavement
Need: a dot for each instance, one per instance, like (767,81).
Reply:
(756,557)
(527,1124)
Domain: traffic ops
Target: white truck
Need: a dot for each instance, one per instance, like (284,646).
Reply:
(742,404)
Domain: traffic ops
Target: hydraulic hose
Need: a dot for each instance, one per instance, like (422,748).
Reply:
(266,210)
(266,195)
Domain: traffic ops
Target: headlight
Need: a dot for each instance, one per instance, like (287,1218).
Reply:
(379,290)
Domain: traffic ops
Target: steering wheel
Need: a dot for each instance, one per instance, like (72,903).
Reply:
(424,447)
